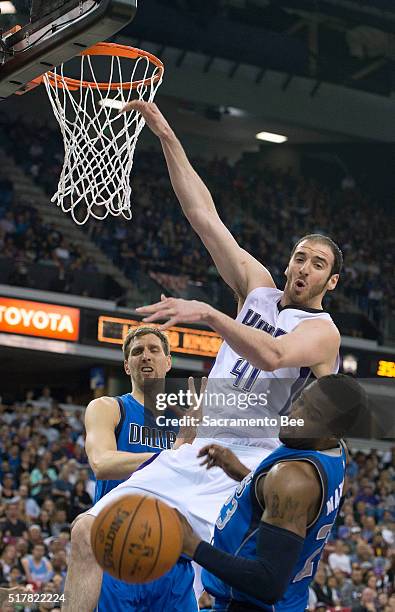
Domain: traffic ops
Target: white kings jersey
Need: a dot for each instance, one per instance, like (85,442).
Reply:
(237,390)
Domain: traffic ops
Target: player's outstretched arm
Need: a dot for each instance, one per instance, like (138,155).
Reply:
(312,343)
(101,420)
(291,498)
(238,268)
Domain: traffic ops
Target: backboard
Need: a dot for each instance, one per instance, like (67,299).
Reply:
(57,31)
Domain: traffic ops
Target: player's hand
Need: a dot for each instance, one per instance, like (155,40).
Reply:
(152,116)
(190,540)
(176,310)
(195,408)
(206,601)
(187,433)
(220,456)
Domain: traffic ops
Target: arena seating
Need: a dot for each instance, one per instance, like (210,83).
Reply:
(266,210)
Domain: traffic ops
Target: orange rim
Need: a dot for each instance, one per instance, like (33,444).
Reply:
(109,49)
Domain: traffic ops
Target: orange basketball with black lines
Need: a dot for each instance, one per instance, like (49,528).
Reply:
(137,538)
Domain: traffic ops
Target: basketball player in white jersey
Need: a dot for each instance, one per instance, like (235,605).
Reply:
(276,340)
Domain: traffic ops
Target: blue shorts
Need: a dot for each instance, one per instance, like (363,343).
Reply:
(174,591)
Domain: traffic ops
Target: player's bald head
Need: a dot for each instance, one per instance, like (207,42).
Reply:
(346,401)
(342,390)
(331,407)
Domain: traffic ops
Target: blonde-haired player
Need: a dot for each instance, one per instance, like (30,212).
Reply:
(121,434)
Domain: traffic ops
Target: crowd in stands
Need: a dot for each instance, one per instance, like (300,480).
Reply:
(357,571)
(45,482)
(266,210)
(26,240)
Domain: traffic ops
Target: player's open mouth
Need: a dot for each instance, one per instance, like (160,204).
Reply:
(300,283)
(147,370)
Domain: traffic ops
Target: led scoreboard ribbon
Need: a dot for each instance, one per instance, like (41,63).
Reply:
(386,368)
(185,340)
(90,327)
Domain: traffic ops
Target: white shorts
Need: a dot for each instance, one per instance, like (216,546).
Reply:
(177,478)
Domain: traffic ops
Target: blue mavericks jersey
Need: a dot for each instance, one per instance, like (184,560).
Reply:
(136,432)
(237,526)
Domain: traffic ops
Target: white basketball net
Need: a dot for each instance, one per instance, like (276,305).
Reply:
(99,143)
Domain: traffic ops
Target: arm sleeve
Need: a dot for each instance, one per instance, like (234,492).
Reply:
(265,578)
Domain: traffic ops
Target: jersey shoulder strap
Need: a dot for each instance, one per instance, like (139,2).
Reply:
(122,416)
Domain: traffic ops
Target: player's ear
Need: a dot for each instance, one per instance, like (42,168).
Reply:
(126,367)
(286,272)
(168,364)
(332,282)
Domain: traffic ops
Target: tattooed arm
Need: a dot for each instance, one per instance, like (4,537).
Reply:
(290,495)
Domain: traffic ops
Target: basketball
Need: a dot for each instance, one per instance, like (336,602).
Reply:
(137,538)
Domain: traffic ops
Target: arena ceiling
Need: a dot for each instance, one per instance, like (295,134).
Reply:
(346,42)
(337,41)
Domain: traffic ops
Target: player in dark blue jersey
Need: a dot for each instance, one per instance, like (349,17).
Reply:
(122,435)
(270,534)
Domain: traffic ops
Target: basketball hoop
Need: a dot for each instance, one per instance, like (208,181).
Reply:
(99,142)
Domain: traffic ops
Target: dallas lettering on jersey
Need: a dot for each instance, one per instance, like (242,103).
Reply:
(150,436)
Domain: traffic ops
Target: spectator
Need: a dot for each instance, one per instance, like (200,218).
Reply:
(8,488)
(352,589)
(13,526)
(8,560)
(22,547)
(41,479)
(322,591)
(75,421)
(59,563)
(49,506)
(340,559)
(58,582)
(363,556)
(62,489)
(367,496)
(344,531)
(81,500)
(37,567)
(34,537)
(89,484)
(14,459)
(333,587)
(31,508)
(367,603)
(58,457)
(59,521)
(15,577)
(45,400)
